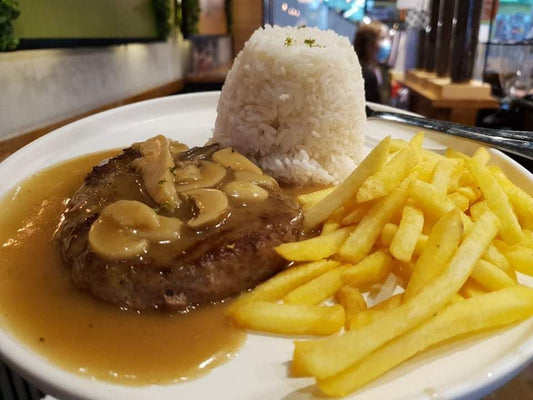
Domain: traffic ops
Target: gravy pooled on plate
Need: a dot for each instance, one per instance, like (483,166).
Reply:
(41,306)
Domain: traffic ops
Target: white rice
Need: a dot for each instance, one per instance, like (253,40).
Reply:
(294,102)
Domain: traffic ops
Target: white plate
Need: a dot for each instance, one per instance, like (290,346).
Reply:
(466,369)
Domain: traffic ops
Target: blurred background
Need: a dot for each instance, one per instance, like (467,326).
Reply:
(468,61)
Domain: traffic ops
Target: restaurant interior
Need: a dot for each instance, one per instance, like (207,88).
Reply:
(462,61)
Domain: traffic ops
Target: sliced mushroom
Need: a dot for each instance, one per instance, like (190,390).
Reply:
(125,228)
(133,214)
(109,240)
(156,165)
(261,180)
(211,206)
(198,153)
(231,158)
(211,174)
(245,191)
(186,173)
(169,229)
(177,147)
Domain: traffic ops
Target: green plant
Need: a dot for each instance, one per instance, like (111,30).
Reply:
(191,16)
(9,10)
(178,16)
(162,10)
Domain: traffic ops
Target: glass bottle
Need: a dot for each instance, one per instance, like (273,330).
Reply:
(431,36)
(465,31)
(444,38)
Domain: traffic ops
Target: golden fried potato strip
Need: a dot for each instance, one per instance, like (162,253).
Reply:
(478,313)
(318,289)
(353,302)
(347,189)
(281,284)
(330,356)
(361,240)
(293,319)
(387,178)
(441,245)
(315,248)
(497,201)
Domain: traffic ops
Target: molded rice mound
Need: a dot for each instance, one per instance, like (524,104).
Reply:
(294,102)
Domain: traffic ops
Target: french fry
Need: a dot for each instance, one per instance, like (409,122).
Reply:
(478,209)
(494,256)
(433,202)
(452,153)
(388,232)
(406,237)
(334,221)
(318,289)
(308,200)
(428,155)
(297,369)
(372,269)
(522,202)
(521,258)
(371,314)
(424,170)
(353,302)
(482,155)
(363,237)
(409,213)
(527,241)
(315,248)
(472,289)
(459,167)
(442,174)
(479,313)
(491,254)
(281,284)
(490,276)
(467,179)
(460,201)
(347,189)
(397,145)
(471,193)
(296,319)
(389,176)
(357,214)
(497,201)
(417,140)
(330,356)
(441,245)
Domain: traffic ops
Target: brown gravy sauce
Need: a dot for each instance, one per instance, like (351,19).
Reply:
(41,306)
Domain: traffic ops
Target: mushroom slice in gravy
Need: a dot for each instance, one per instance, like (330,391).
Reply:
(231,158)
(156,165)
(211,206)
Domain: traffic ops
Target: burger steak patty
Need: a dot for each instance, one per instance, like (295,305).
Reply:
(223,262)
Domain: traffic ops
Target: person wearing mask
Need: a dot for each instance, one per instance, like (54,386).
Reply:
(369,44)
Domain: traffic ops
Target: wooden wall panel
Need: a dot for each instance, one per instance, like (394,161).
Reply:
(247,17)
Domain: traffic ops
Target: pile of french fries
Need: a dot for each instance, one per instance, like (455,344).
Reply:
(451,228)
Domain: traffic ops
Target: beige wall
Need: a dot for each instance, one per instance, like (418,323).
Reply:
(41,87)
(247,17)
